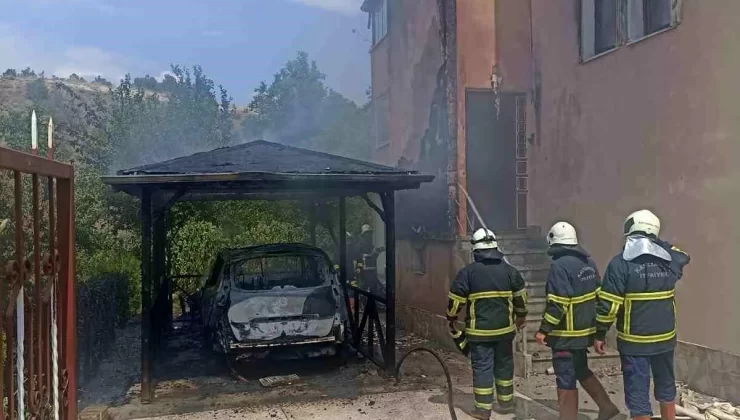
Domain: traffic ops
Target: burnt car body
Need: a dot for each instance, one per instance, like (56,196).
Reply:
(273,297)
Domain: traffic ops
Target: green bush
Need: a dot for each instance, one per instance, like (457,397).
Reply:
(115,262)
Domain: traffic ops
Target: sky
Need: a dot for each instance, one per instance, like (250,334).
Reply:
(239,43)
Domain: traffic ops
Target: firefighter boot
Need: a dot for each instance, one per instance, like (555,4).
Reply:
(506,407)
(607,409)
(568,402)
(668,411)
(480,414)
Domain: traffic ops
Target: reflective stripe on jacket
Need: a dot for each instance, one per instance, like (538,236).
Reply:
(570,308)
(639,296)
(493,293)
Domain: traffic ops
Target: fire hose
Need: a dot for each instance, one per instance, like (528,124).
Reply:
(450,401)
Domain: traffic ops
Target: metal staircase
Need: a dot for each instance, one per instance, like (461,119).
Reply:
(527,251)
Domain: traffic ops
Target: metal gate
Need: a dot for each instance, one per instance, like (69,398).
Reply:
(37,288)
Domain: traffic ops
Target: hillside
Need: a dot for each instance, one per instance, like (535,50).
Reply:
(14,91)
(20,93)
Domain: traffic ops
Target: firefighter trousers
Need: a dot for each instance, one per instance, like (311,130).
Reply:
(493,372)
(636,374)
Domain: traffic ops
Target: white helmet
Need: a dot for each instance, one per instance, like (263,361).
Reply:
(642,221)
(484,239)
(562,233)
(365,228)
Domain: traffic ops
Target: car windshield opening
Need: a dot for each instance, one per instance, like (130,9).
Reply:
(268,272)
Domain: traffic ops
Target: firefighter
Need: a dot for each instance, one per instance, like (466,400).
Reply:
(496,305)
(568,324)
(365,244)
(638,293)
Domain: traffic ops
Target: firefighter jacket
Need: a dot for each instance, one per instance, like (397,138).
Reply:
(493,292)
(570,308)
(638,293)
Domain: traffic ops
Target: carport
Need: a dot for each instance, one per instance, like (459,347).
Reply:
(262,170)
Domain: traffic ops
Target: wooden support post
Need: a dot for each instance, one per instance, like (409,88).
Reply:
(389,209)
(342,240)
(146,297)
(159,316)
(168,271)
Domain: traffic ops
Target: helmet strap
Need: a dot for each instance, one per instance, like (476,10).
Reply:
(487,238)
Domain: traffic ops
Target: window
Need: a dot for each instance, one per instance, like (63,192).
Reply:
(379,18)
(598,27)
(646,17)
(607,24)
(278,271)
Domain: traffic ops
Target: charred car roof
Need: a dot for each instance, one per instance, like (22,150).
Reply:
(271,249)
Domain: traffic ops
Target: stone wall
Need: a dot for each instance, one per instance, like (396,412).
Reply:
(712,372)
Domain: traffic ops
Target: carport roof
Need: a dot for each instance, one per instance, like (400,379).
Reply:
(260,168)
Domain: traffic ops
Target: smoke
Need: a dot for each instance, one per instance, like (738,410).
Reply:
(183,118)
(330,123)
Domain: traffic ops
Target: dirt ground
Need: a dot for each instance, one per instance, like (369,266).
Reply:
(190,380)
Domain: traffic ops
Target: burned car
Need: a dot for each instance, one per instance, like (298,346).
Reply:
(271,298)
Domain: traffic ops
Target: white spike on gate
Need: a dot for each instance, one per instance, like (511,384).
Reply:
(34,132)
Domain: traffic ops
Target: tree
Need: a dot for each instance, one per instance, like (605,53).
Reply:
(145,129)
(146,82)
(10,73)
(76,78)
(102,81)
(298,109)
(288,106)
(168,84)
(27,72)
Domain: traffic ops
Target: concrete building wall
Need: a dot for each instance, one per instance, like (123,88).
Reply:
(654,124)
(514,44)
(380,87)
(476,56)
(407,69)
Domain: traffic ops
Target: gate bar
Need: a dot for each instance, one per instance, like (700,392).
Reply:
(65,203)
(36,364)
(19,305)
(13,160)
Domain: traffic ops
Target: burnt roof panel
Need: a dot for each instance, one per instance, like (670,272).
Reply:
(261,157)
